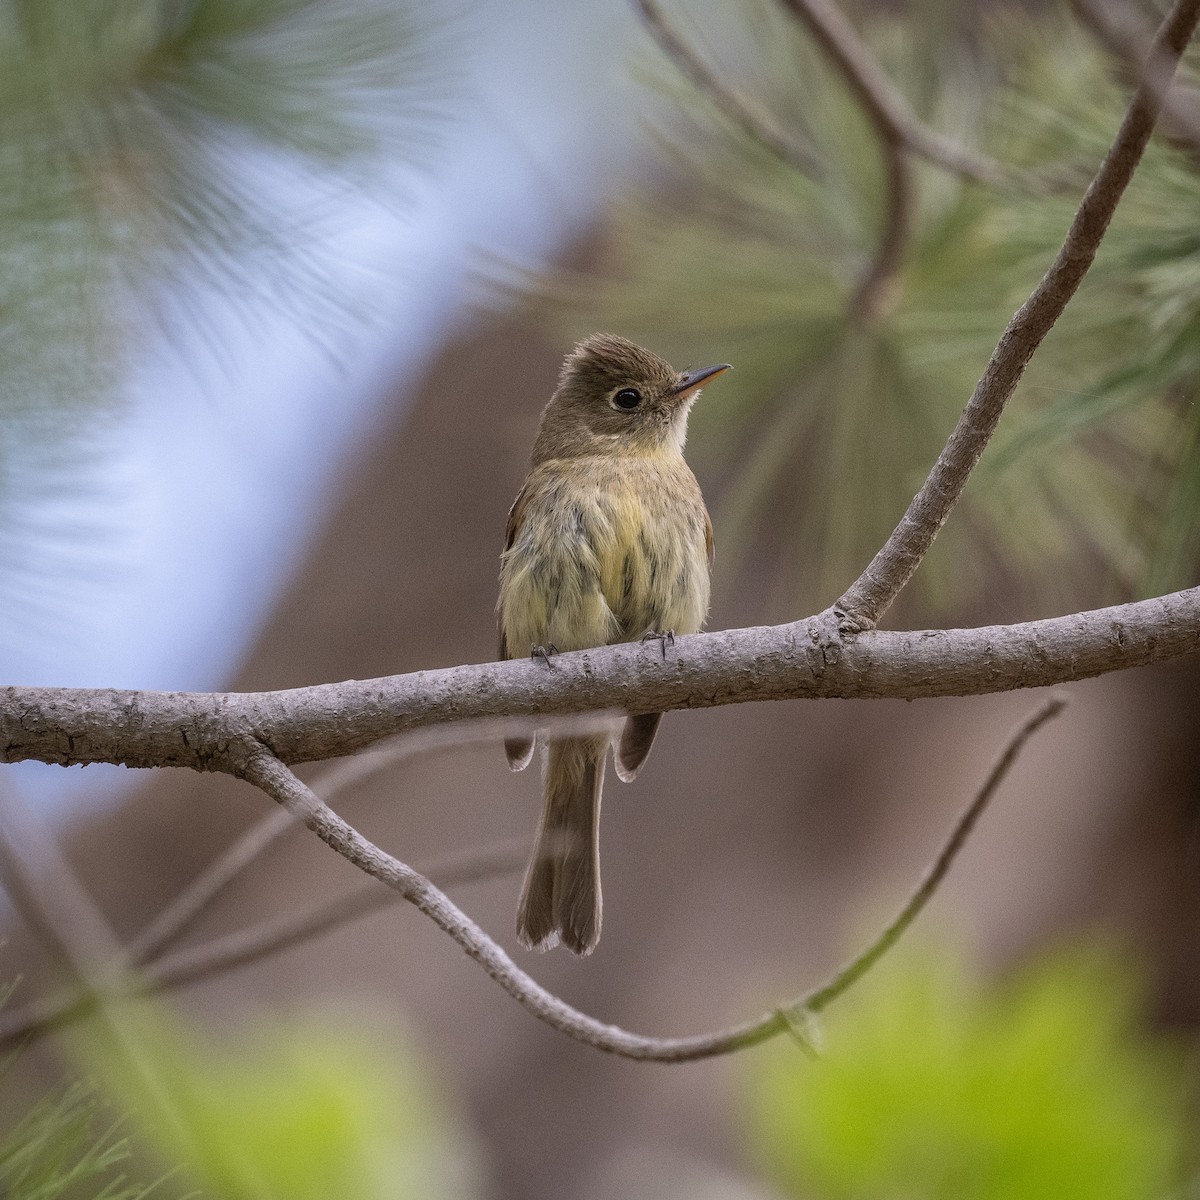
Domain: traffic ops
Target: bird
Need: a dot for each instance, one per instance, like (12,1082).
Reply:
(607,541)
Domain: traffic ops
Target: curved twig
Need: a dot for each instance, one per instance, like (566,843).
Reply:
(139,967)
(884,105)
(900,131)
(707,82)
(940,867)
(892,120)
(1125,36)
(873,294)
(870,595)
(261,768)
(199,895)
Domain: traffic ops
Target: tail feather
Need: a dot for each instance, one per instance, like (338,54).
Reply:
(519,751)
(633,748)
(561,896)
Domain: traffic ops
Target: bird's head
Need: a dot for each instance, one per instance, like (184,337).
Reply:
(614,397)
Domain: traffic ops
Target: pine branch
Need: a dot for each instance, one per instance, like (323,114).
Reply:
(886,108)
(866,600)
(256,736)
(706,81)
(1124,35)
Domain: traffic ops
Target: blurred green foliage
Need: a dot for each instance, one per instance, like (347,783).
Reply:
(830,421)
(55,1151)
(148,142)
(157,155)
(302,1109)
(932,1087)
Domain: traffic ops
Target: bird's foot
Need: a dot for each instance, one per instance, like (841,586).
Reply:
(543,652)
(664,639)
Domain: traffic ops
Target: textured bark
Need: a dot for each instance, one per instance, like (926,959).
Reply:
(782,662)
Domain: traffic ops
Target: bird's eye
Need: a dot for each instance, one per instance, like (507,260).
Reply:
(627,399)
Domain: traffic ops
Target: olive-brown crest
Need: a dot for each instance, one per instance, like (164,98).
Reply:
(605,361)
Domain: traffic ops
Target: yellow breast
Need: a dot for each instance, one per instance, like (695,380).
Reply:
(608,549)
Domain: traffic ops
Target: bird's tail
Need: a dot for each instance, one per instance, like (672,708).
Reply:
(561,896)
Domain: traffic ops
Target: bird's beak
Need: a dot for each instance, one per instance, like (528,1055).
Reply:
(693,381)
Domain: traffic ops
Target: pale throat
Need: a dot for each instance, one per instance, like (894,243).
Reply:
(678,427)
(659,441)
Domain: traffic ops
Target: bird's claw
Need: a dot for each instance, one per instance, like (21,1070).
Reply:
(664,639)
(543,652)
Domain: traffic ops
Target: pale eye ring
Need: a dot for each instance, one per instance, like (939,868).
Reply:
(626,399)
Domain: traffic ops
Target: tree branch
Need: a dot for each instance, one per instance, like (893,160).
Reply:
(887,109)
(200,730)
(255,735)
(870,595)
(1125,36)
(152,729)
(258,766)
(709,84)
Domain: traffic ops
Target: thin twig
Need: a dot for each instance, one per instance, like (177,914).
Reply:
(199,895)
(46,893)
(854,970)
(885,110)
(873,294)
(886,107)
(271,937)
(1127,38)
(265,771)
(247,946)
(870,595)
(900,131)
(709,84)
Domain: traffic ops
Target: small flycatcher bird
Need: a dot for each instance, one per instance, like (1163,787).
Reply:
(608,541)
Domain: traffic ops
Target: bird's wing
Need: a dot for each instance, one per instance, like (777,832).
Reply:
(516,515)
(708,538)
(519,750)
